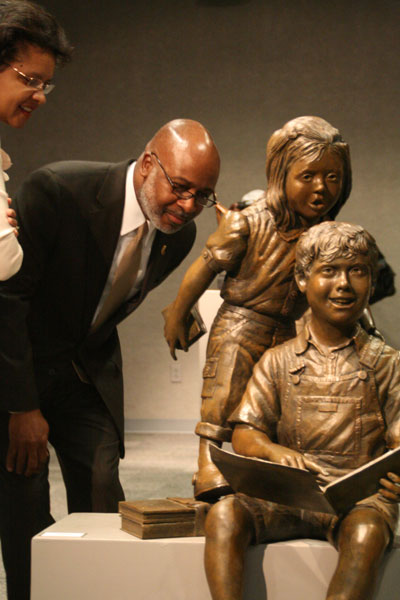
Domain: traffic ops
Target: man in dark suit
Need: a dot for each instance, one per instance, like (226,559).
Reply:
(60,361)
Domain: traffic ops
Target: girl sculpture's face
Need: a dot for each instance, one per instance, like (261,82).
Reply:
(313,187)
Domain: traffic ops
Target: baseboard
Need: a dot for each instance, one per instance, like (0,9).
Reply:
(160,425)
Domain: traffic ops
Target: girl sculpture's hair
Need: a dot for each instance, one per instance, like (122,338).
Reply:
(304,137)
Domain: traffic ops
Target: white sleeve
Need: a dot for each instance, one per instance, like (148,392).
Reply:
(10,251)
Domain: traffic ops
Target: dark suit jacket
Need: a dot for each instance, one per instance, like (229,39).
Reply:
(70,216)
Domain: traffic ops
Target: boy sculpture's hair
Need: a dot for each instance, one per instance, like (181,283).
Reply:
(304,137)
(23,22)
(333,239)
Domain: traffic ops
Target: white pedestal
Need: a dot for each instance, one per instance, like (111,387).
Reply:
(109,564)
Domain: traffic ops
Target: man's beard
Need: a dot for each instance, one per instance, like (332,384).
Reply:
(146,198)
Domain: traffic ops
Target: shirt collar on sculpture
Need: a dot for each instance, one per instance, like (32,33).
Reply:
(305,338)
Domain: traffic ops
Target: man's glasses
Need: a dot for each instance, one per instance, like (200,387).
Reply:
(207,199)
(34,82)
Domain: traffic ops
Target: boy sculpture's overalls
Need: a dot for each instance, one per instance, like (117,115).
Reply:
(334,418)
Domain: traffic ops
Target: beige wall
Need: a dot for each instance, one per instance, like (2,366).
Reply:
(243,68)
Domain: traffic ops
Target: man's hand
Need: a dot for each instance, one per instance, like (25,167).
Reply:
(12,217)
(176,330)
(27,451)
(390,490)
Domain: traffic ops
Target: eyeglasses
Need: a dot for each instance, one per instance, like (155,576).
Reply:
(207,199)
(34,82)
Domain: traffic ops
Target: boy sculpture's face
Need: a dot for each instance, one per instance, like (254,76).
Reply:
(337,292)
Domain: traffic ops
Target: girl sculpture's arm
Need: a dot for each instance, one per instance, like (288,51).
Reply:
(196,280)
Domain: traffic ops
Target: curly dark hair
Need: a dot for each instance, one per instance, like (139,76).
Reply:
(23,22)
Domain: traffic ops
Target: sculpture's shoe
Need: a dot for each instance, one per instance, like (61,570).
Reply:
(209,484)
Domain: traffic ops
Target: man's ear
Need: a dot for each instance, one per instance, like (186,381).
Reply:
(301,281)
(146,164)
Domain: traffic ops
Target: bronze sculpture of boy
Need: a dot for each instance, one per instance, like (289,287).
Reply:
(327,400)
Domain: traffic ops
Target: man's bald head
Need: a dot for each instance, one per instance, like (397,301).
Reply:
(183,135)
(184,150)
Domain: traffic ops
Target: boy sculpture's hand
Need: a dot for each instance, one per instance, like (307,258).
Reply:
(285,456)
(249,441)
(176,329)
(390,490)
(290,458)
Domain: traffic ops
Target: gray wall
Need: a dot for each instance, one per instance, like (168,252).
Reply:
(243,68)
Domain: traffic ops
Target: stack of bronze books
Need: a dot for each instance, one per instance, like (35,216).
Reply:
(163,517)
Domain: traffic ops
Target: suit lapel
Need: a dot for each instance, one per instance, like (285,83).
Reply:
(158,256)
(155,268)
(166,254)
(104,215)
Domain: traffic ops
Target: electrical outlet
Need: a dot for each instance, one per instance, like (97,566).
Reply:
(175,373)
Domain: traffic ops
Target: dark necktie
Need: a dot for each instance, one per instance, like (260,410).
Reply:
(124,278)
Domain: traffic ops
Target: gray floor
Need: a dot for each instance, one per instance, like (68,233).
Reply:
(155,466)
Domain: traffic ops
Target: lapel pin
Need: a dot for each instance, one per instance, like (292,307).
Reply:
(163,250)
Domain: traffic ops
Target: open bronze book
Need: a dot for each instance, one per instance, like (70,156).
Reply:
(299,488)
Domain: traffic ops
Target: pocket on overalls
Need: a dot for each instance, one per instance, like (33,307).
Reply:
(209,381)
(330,425)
